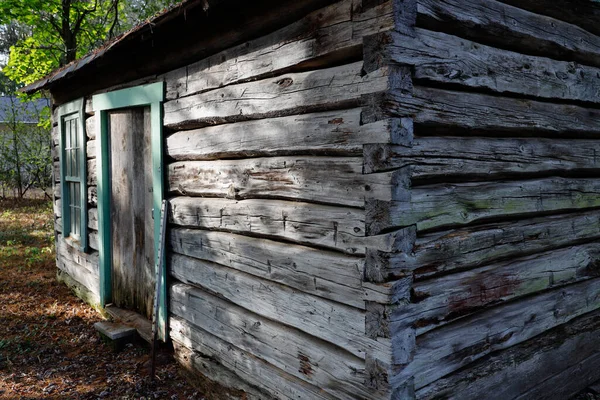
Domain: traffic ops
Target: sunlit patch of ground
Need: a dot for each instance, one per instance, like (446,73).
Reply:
(48,346)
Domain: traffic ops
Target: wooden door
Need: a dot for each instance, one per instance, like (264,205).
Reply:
(132,229)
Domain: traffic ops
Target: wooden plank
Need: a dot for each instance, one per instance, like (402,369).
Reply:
(200,369)
(338,181)
(585,14)
(80,274)
(331,227)
(335,323)
(321,273)
(92,172)
(327,133)
(476,113)
(441,206)
(294,93)
(251,369)
(447,251)
(90,148)
(73,255)
(552,361)
(93,218)
(443,351)
(442,58)
(319,363)
(94,241)
(90,127)
(484,158)
(442,300)
(323,36)
(93,196)
(490,21)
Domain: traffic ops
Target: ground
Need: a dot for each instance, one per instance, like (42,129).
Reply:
(48,346)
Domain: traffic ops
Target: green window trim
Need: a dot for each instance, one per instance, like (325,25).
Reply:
(146,95)
(73,173)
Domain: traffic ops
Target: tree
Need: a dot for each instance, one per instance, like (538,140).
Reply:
(63,30)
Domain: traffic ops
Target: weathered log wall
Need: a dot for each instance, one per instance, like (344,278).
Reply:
(268,232)
(500,203)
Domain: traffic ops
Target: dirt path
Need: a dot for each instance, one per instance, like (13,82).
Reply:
(48,346)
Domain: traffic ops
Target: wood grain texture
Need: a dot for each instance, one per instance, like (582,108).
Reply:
(314,361)
(339,228)
(325,274)
(324,36)
(442,58)
(90,148)
(90,127)
(443,351)
(471,158)
(251,369)
(459,249)
(446,205)
(87,261)
(442,300)
(329,133)
(338,181)
(294,93)
(335,323)
(496,23)
(475,112)
(556,361)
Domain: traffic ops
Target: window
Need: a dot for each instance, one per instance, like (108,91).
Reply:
(73,173)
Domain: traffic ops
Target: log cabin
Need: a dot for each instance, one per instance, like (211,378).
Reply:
(368,199)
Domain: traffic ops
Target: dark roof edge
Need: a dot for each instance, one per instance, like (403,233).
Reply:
(89,59)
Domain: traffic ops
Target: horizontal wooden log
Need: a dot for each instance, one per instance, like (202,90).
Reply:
(78,289)
(92,172)
(443,351)
(81,275)
(440,301)
(338,181)
(332,227)
(328,133)
(324,36)
(585,14)
(93,240)
(58,225)
(93,218)
(329,275)
(90,128)
(447,251)
(554,361)
(199,368)
(490,21)
(251,369)
(72,255)
(480,158)
(447,59)
(91,148)
(476,113)
(335,323)
(56,171)
(441,206)
(317,362)
(93,196)
(57,206)
(294,93)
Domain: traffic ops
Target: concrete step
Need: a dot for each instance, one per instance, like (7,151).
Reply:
(116,334)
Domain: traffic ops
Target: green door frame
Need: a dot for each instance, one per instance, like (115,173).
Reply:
(147,95)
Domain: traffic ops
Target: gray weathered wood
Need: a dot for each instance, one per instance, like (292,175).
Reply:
(90,127)
(252,369)
(447,251)
(330,33)
(93,218)
(331,180)
(80,274)
(211,369)
(131,227)
(87,261)
(489,21)
(294,352)
(480,112)
(92,172)
(479,157)
(93,240)
(442,300)
(443,58)
(445,205)
(443,351)
(552,361)
(305,223)
(333,322)
(294,93)
(91,148)
(93,196)
(326,274)
(327,133)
